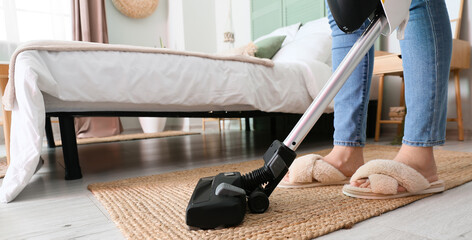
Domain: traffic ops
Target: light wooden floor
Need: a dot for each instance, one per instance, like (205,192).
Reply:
(52,208)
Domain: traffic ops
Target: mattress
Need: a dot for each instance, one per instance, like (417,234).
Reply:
(143,82)
(118,78)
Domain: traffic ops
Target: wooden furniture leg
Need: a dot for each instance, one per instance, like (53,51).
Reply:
(248,124)
(69,148)
(460,125)
(458,119)
(6,132)
(402,104)
(204,120)
(379,108)
(49,133)
(6,114)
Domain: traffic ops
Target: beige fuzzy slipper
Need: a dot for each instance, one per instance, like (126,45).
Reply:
(385,176)
(311,171)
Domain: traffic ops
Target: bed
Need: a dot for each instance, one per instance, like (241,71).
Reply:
(68,79)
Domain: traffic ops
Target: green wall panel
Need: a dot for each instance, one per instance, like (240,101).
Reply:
(268,15)
(263,4)
(302,11)
(265,16)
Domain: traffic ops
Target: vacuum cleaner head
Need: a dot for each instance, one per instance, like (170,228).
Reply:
(220,201)
(215,204)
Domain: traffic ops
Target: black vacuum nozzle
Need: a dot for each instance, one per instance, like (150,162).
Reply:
(351,14)
(220,201)
(209,208)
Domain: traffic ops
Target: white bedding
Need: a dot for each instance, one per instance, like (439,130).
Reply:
(189,83)
(51,81)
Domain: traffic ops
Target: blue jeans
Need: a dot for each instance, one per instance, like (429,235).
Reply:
(426,53)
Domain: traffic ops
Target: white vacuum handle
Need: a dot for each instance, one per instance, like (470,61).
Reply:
(337,80)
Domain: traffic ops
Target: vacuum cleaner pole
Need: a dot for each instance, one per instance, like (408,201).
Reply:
(337,80)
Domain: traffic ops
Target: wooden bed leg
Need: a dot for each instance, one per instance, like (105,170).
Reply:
(49,133)
(69,148)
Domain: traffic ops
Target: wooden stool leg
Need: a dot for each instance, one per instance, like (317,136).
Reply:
(379,108)
(6,132)
(6,114)
(203,124)
(460,126)
(402,104)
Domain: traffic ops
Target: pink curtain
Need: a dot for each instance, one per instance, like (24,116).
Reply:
(89,21)
(90,24)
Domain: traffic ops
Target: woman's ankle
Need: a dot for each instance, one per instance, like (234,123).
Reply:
(419,158)
(346,159)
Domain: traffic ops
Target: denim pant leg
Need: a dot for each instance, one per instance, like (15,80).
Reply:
(426,52)
(350,104)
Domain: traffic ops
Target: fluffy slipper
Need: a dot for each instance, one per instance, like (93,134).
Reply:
(311,171)
(385,176)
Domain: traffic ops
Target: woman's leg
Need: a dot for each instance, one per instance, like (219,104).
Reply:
(426,54)
(350,104)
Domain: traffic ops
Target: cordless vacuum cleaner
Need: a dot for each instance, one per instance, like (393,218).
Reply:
(220,201)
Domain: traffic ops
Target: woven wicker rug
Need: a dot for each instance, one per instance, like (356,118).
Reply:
(153,207)
(128,137)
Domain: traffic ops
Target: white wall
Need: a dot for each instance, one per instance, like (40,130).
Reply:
(199,25)
(392,96)
(140,32)
(241,12)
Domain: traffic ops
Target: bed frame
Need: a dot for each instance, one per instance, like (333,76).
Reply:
(69,140)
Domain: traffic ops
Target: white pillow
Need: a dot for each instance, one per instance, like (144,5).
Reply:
(316,26)
(289,32)
(309,47)
(312,42)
